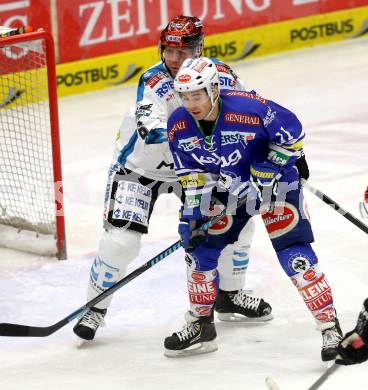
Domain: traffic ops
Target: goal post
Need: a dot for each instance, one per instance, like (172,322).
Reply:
(31,187)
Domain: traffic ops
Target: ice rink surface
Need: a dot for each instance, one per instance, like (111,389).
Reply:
(326,87)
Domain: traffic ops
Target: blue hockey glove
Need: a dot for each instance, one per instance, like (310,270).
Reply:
(190,236)
(189,229)
(265,174)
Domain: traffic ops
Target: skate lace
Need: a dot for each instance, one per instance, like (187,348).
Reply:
(246,301)
(331,338)
(189,330)
(93,319)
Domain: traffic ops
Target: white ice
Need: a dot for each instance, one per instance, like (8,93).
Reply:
(327,87)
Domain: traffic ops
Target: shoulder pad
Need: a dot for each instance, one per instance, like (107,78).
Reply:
(246,95)
(154,74)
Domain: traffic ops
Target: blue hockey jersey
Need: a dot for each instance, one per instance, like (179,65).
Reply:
(249,128)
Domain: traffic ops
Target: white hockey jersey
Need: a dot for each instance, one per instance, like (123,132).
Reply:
(141,142)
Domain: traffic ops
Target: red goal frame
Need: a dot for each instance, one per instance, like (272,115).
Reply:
(54,125)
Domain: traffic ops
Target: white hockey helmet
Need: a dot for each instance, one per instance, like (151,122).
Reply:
(196,74)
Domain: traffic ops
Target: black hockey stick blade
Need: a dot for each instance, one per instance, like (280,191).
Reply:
(15,330)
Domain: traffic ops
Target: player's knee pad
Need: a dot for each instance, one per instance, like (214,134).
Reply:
(202,290)
(232,266)
(203,258)
(297,258)
(234,259)
(102,277)
(118,247)
(247,233)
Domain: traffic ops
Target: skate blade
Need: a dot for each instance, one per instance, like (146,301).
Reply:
(205,347)
(235,317)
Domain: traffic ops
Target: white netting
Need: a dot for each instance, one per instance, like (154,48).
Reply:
(27,199)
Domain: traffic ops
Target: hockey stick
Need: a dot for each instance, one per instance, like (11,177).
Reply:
(335,206)
(272,385)
(17,330)
(316,385)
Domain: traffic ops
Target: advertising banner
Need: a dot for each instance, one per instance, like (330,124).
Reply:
(126,67)
(18,13)
(90,28)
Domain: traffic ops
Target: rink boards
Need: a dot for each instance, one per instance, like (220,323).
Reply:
(126,67)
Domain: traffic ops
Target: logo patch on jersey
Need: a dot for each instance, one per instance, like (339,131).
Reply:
(193,181)
(184,78)
(234,137)
(248,95)
(155,79)
(193,200)
(226,82)
(143,110)
(221,226)
(177,126)
(224,161)
(280,220)
(234,117)
(222,68)
(188,144)
(165,88)
(270,116)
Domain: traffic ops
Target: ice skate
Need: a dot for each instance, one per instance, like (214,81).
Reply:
(331,338)
(237,306)
(88,324)
(196,337)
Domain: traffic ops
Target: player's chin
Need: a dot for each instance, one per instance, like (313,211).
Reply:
(197,116)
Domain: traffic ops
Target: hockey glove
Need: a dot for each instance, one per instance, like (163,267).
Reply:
(352,350)
(302,167)
(190,236)
(189,228)
(353,347)
(265,175)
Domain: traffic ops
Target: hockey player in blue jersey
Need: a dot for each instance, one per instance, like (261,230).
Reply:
(143,169)
(226,146)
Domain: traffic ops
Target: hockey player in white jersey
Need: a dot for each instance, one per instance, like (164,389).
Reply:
(143,169)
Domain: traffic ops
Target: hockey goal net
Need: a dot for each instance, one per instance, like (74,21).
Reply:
(31,198)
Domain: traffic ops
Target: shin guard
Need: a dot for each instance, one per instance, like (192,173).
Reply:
(301,265)
(202,289)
